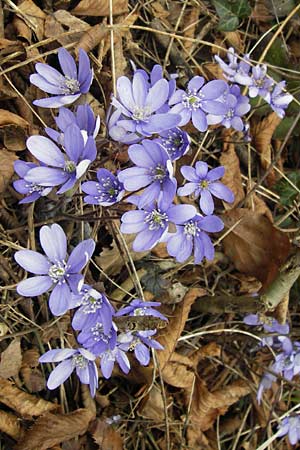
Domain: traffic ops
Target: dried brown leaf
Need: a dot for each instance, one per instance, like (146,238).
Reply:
(255,246)
(262,133)
(106,436)
(33,379)
(11,360)
(100,8)
(56,24)
(10,425)
(153,408)
(92,37)
(7,160)
(52,429)
(178,371)
(33,17)
(169,335)
(190,24)
(24,404)
(8,118)
(232,177)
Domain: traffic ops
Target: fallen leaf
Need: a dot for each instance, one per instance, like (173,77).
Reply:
(106,436)
(33,17)
(100,8)
(57,23)
(7,160)
(153,408)
(26,405)
(169,335)
(190,25)
(11,360)
(178,371)
(10,425)
(8,118)
(262,133)
(52,429)
(255,246)
(13,130)
(232,177)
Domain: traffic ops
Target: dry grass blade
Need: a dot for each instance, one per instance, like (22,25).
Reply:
(24,404)
(52,429)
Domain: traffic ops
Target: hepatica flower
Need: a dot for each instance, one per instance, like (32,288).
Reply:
(204,184)
(80,360)
(138,103)
(95,338)
(83,117)
(175,141)
(67,86)
(107,191)
(151,223)
(238,106)
(138,307)
(55,270)
(65,169)
(198,100)
(191,237)
(117,354)
(32,191)
(140,344)
(290,426)
(153,168)
(237,70)
(279,100)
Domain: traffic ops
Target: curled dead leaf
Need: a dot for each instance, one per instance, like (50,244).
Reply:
(7,160)
(26,405)
(153,407)
(52,429)
(178,371)
(57,23)
(11,360)
(262,133)
(106,436)
(100,8)
(10,425)
(232,177)
(255,246)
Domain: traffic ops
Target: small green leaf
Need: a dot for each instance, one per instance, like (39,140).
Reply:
(286,191)
(230,11)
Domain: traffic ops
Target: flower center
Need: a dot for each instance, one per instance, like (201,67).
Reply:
(79,361)
(159,172)
(32,187)
(204,184)
(71,85)
(140,312)
(90,304)
(156,219)
(99,335)
(57,271)
(191,229)
(229,114)
(70,166)
(192,100)
(141,114)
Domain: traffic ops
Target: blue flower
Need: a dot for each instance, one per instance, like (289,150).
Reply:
(153,169)
(80,359)
(205,184)
(54,270)
(91,304)
(175,141)
(67,87)
(140,344)
(138,307)
(279,100)
(192,236)
(290,426)
(107,191)
(199,100)
(84,118)
(95,338)
(238,105)
(237,70)
(64,169)
(109,357)
(151,223)
(138,104)
(32,191)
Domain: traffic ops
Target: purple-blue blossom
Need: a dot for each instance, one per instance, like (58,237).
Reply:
(32,191)
(290,426)
(141,343)
(237,70)
(64,168)
(191,237)
(107,191)
(153,168)
(67,86)
(95,338)
(279,99)
(80,359)
(198,100)
(83,117)
(238,106)
(91,304)
(275,331)
(204,184)
(56,270)
(139,104)
(139,307)
(151,223)
(175,141)
(118,354)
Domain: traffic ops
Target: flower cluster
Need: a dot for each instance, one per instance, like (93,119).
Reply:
(256,80)
(290,426)
(94,317)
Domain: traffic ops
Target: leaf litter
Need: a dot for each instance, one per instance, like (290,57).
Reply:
(199,384)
